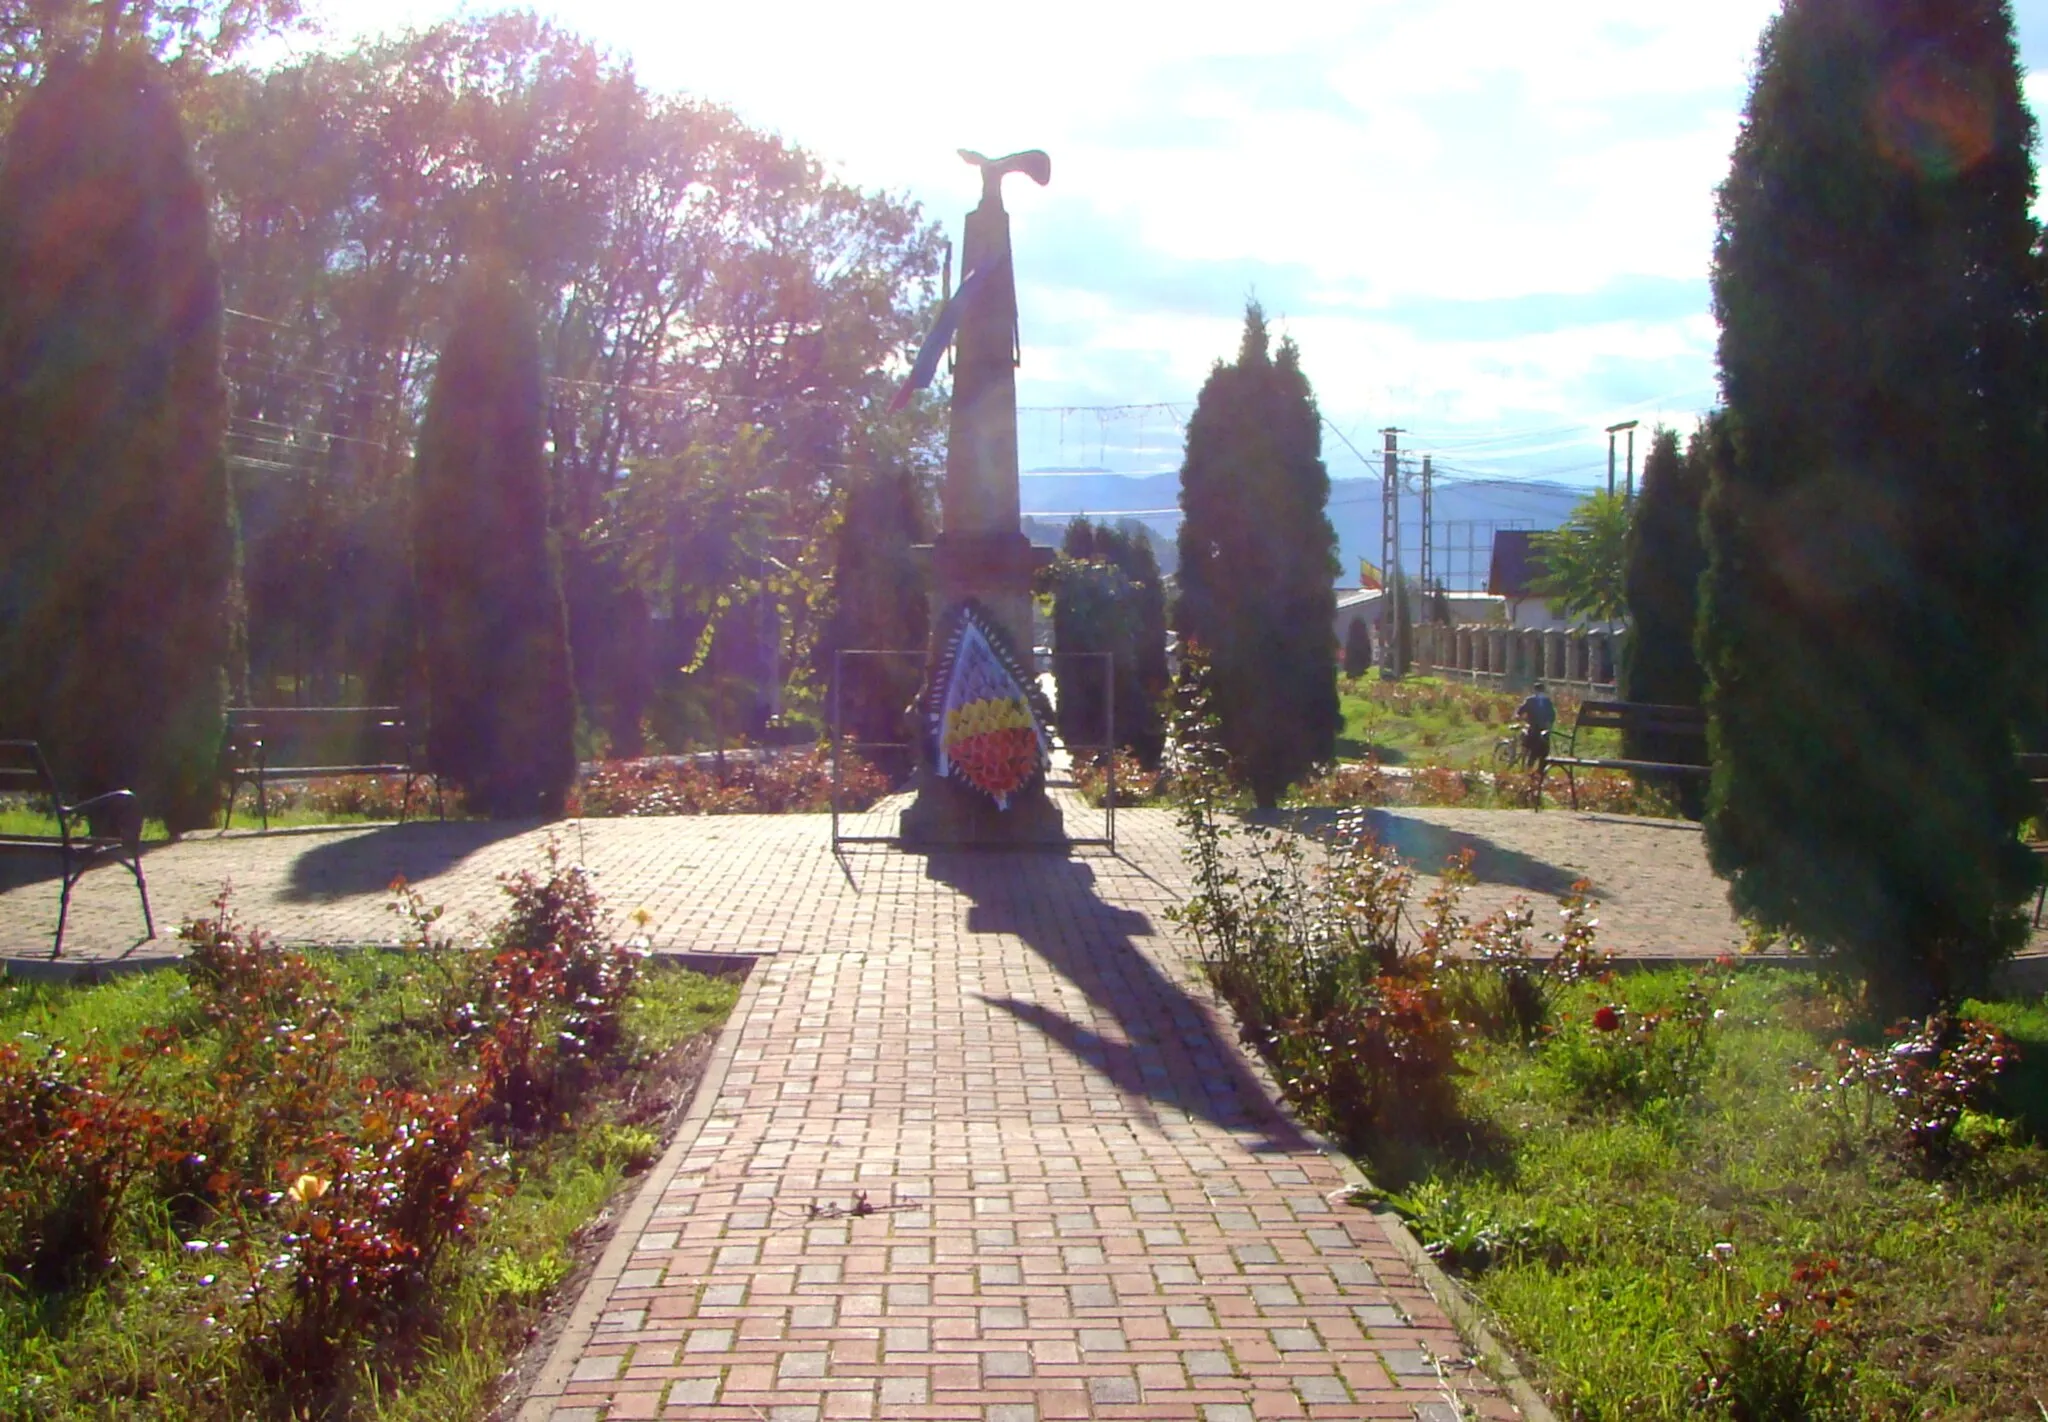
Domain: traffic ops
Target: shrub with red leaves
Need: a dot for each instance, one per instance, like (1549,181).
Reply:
(1935,1069)
(364,1228)
(789,782)
(78,1135)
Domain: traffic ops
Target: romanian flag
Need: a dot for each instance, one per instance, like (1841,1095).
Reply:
(941,336)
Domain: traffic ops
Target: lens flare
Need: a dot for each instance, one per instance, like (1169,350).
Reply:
(1934,117)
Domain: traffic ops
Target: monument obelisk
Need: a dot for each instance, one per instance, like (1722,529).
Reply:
(980,560)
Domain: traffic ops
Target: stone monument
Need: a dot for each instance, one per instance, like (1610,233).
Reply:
(982,564)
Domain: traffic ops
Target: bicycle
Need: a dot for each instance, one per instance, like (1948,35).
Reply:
(1511,751)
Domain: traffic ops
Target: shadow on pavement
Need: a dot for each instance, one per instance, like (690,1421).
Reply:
(1172,1055)
(367,863)
(1425,846)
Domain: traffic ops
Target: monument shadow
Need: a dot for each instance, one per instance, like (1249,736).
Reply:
(1172,1056)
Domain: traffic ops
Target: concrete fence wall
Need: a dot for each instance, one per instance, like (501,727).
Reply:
(1514,657)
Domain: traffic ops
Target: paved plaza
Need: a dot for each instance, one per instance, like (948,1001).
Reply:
(976,1142)
(770,884)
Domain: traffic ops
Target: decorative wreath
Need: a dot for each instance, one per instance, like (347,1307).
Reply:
(987,725)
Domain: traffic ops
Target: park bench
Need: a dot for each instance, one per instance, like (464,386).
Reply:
(105,826)
(1684,724)
(2034,765)
(266,744)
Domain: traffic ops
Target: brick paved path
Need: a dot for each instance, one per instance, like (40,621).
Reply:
(1083,1202)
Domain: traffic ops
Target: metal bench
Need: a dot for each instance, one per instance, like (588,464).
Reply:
(2034,765)
(266,744)
(1687,724)
(105,826)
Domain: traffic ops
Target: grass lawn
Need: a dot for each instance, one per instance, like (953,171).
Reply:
(236,1148)
(1638,1203)
(1426,720)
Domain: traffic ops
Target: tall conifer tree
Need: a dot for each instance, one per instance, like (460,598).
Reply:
(1258,562)
(116,548)
(1875,517)
(501,710)
(881,603)
(1661,585)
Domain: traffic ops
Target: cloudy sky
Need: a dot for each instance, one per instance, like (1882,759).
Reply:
(1486,221)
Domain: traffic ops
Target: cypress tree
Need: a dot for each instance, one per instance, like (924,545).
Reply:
(1357,648)
(1108,596)
(1874,517)
(1258,562)
(1661,584)
(117,559)
(881,602)
(501,709)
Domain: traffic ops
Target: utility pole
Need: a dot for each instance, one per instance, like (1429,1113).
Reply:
(1612,431)
(1390,546)
(1426,572)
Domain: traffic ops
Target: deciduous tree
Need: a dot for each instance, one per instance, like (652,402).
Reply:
(1875,517)
(1582,561)
(1258,562)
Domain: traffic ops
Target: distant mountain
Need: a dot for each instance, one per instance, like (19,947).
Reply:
(1465,514)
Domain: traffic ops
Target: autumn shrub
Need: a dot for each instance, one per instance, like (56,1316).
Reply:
(1914,1092)
(362,1231)
(1780,1363)
(792,782)
(1317,957)
(1505,989)
(1135,785)
(268,1064)
(79,1134)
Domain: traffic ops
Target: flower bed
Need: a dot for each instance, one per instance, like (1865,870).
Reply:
(787,782)
(289,1184)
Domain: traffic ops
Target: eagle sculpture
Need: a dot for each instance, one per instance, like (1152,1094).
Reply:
(1032,162)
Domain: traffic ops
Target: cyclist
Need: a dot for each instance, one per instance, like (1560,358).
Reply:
(1537,713)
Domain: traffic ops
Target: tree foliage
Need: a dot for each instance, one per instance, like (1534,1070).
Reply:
(1108,597)
(1583,561)
(501,711)
(1875,515)
(1258,562)
(698,279)
(192,38)
(116,552)
(1357,647)
(880,603)
(1661,581)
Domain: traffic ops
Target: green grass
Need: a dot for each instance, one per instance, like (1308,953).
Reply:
(16,819)
(1630,1237)
(154,1338)
(1426,720)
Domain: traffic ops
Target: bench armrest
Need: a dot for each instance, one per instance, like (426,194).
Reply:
(120,807)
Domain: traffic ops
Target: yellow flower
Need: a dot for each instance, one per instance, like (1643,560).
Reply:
(307,1188)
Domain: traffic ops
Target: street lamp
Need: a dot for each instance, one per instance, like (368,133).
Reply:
(1612,431)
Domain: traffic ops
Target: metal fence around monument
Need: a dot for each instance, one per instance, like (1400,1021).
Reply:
(858,661)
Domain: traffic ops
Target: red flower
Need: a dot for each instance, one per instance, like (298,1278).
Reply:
(1606,1019)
